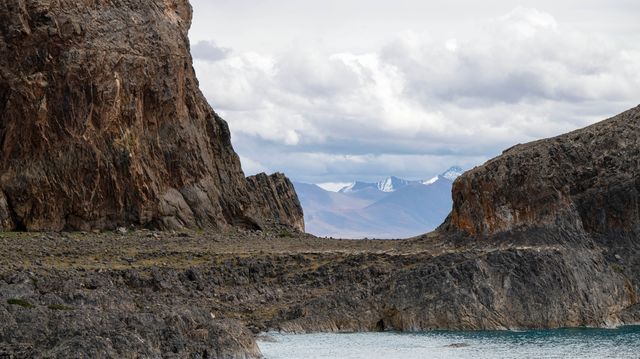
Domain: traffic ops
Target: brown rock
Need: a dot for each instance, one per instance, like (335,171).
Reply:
(103,125)
(275,195)
(586,181)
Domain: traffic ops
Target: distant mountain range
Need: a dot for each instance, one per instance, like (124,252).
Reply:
(391,208)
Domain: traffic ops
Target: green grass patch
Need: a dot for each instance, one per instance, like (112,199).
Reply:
(617,268)
(285,234)
(21,302)
(15,235)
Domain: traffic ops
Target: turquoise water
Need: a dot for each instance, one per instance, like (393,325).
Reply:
(563,343)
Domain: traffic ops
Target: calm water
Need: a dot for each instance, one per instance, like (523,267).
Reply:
(563,343)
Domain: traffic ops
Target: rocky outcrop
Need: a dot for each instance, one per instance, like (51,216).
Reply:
(577,195)
(107,321)
(586,181)
(517,288)
(546,235)
(274,197)
(102,123)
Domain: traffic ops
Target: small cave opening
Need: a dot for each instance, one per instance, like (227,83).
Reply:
(380,325)
(20,227)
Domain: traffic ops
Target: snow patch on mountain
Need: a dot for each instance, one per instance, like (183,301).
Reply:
(333,186)
(392,184)
(357,186)
(453,173)
(431,181)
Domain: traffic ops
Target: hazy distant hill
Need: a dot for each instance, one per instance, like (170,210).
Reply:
(392,208)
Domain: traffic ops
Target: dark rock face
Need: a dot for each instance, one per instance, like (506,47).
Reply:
(545,235)
(518,287)
(274,197)
(70,295)
(102,123)
(586,181)
(106,321)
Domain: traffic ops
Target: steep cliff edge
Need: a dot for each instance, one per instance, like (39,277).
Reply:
(586,181)
(546,235)
(102,124)
(565,209)
(274,198)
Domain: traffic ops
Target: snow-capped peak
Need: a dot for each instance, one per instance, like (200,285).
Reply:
(386,185)
(453,173)
(391,184)
(356,186)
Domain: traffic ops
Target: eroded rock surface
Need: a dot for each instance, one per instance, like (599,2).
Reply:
(586,181)
(545,235)
(102,123)
(274,198)
(75,294)
(107,321)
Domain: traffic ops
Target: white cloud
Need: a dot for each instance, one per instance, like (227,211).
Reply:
(252,167)
(209,51)
(418,104)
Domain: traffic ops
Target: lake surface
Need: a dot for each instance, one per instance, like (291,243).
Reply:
(563,343)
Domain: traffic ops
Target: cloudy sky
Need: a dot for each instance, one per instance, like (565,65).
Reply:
(337,90)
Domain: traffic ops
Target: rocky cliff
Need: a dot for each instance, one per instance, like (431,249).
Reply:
(544,236)
(102,124)
(586,181)
(274,198)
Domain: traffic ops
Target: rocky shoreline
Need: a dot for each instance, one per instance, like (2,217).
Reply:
(207,295)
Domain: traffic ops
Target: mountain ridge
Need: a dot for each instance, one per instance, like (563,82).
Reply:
(393,183)
(392,208)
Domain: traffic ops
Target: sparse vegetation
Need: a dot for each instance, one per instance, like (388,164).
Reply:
(617,268)
(21,302)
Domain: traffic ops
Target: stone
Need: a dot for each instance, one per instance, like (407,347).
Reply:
(275,199)
(103,125)
(585,181)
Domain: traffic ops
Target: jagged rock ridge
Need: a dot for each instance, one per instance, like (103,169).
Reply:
(102,124)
